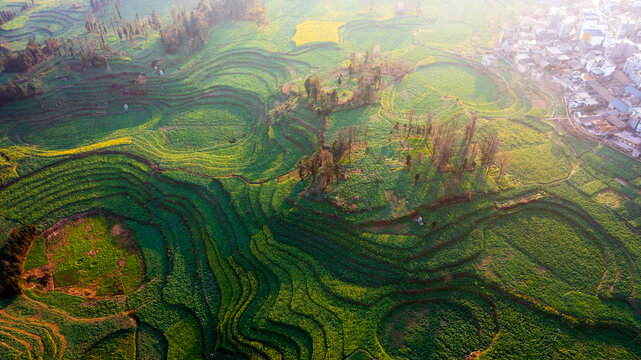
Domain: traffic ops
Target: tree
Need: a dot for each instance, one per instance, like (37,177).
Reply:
(154,21)
(489,147)
(118,9)
(327,169)
(503,160)
(16,92)
(443,140)
(408,162)
(325,106)
(314,88)
(142,81)
(52,46)
(334,99)
(171,39)
(252,10)
(417,178)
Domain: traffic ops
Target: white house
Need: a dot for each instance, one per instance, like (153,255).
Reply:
(600,66)
(632,68)
(567,27)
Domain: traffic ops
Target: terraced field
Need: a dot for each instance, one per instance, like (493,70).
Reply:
(178,227)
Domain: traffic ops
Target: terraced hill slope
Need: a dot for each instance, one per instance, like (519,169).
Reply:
(240,258)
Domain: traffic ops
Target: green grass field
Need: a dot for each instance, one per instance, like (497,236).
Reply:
(180,229)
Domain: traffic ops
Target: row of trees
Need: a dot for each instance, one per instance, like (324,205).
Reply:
(33,54)
(249,10)
(13,258)
(447,146)
(125,30)
(7,15)
(374,62)
(193,28)
(11,91)
(82,52)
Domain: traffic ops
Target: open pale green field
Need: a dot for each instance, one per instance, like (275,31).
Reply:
(235,259)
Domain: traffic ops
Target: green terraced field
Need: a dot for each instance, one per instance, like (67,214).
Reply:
(179,228)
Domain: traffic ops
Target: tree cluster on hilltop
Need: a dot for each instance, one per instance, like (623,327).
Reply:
(250,10)
(325,102)
(11,91)
(193,27)
(83,52)
(14,255)
(33,54)
(7,15)
(323,166)
(448,146)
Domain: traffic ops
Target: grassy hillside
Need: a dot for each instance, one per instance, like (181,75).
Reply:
(222,251)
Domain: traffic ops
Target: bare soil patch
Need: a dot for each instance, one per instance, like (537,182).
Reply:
(57,240)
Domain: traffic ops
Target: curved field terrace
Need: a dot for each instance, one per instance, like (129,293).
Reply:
(303,180)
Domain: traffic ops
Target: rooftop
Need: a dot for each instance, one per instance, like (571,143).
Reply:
(630,89)
(619,105)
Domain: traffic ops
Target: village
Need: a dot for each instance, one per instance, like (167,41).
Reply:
(590,51)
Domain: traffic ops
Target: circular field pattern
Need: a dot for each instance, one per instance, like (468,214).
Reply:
(227,213)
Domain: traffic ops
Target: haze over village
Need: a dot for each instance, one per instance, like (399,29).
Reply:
(591,52)
(320,179)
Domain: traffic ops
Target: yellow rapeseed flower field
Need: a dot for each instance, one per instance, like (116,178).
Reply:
(317,31)
(94,147)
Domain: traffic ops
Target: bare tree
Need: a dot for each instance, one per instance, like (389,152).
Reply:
(489,147)
(444,143)
(503,161)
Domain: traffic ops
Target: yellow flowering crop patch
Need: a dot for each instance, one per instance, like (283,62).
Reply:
(317,31)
